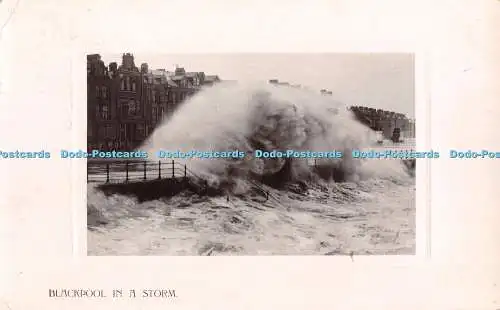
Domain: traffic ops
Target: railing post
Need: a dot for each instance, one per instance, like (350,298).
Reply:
(126,172)
(185,171)
(173,169)
(159,169)
(107,173)
(144,170)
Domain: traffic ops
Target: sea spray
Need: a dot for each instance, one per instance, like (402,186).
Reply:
(265,117)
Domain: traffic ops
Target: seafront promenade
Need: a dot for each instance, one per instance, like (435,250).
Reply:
(126,171)
(115,170)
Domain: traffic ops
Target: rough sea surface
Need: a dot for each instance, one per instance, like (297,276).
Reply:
(370,211)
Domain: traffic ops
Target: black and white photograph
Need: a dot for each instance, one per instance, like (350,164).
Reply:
(250,154)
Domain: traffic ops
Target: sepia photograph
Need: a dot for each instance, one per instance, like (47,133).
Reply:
(250,154)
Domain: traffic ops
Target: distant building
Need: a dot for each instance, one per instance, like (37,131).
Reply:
(211,80)
(410,133)
(277,82)
(183,85)
(384,121)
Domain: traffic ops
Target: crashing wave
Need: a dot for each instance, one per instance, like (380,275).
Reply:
(266,117)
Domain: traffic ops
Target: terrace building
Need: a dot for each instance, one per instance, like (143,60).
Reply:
(126,103)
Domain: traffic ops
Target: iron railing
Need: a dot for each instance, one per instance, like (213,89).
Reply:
(113,171)
(106,171)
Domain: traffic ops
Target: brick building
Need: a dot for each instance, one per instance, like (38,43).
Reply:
(99,102)
(126,103)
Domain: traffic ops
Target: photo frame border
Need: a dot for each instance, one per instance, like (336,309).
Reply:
(423,135)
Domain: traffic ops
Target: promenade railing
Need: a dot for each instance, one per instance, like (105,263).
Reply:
(113,171)
(128,171)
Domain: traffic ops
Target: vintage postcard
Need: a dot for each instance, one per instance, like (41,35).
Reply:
(249,154)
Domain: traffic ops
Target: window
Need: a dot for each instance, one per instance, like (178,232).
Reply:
(174,98)
(154,114)
(124,109)
(122,86)
(105,112)
(123,134)
(133,108)
(140,130)
(104,92)
(133,86)
(127,83)
(108,131)
(97,91)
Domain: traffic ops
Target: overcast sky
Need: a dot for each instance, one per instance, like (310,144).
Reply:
(384,81)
